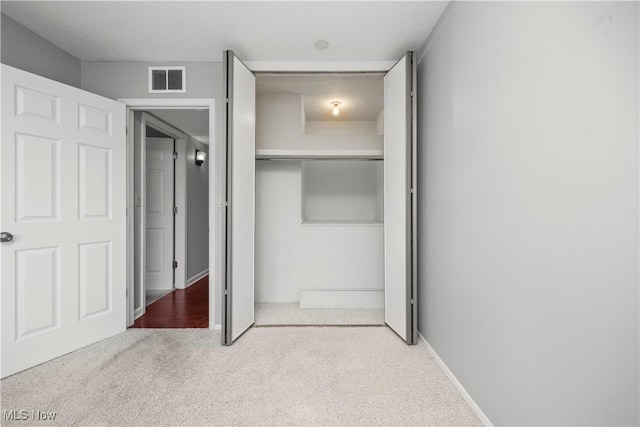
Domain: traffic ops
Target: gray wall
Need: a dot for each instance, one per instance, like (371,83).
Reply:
(129,79)
(22,48)
(528,139)
(197,210)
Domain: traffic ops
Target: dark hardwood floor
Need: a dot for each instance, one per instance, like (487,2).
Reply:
(182,308)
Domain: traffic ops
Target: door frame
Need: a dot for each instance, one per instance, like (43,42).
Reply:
(215,249)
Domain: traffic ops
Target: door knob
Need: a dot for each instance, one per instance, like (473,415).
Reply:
(6,237)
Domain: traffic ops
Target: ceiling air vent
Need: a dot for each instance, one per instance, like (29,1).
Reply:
(167,80)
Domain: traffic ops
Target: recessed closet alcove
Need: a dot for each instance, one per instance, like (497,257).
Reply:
(319,251)
(320,200)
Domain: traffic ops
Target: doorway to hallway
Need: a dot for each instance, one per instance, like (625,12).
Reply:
(170,236)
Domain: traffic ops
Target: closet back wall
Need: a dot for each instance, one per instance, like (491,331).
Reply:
(291,256)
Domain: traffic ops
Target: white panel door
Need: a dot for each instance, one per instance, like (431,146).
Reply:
(63,276)
(238,298)
(399,199)
(159,203)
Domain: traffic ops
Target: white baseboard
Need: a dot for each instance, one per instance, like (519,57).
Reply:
(193,279)
(216,327)
(485,420)
(342,298)
(137,313)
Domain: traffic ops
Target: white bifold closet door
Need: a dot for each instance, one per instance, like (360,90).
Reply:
(238,292)
(400,199)
(63,218)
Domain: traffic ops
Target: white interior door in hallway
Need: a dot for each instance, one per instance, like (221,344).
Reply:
(159,233)
(63,274)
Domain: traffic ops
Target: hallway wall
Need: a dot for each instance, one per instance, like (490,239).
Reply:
(197,211)
(528,180)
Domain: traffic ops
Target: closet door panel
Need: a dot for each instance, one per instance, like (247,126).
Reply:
(238,298)
(399,203)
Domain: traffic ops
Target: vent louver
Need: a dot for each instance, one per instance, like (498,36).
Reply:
(167,80)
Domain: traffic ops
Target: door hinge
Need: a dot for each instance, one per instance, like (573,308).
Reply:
(411,190)
(175,264)
(175,155)
(175,210)
(411,301)
(126,131)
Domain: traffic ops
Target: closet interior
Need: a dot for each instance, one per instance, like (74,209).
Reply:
(319,248)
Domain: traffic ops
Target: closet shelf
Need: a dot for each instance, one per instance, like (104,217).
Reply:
(342,222)
(264,154)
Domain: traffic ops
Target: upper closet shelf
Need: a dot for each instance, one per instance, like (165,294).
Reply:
(319,154)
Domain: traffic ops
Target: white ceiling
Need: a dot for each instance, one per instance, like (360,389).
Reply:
(361,96)
(192,122)
(151,31)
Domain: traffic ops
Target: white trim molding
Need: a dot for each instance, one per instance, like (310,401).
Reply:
(170,104)
(479,413)
(319,66)
(193,279)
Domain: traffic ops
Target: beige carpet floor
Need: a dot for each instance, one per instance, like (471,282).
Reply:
(270,376)
(291,314)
